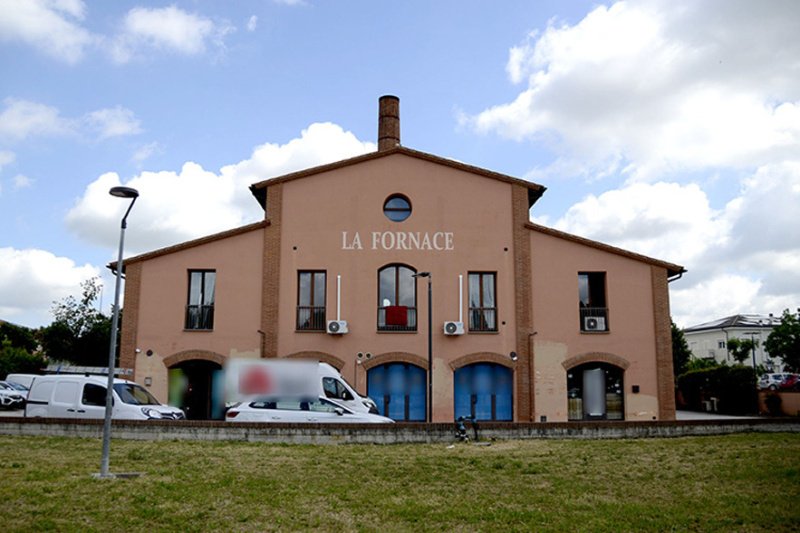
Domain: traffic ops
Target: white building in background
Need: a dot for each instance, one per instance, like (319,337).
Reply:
(710,339)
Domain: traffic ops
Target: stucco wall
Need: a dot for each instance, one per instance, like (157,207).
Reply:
(162,305)
(320,217)
(555,264)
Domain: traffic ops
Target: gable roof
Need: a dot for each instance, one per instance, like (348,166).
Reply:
(189,244)
(672,269)
(259,189)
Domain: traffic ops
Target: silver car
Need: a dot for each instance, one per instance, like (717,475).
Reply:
(299,411)
(10,398)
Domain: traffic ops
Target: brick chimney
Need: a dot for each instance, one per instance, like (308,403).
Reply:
(388,122)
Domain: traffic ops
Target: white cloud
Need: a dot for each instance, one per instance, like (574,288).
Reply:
(31,280)
(662,86)
(290,3)
(664,220)
(113,122)
(174,206)
(52,26)
(145,151)
(252,23)
(6,157)
(169,29)
(22,182)
(22,118)
(679,100)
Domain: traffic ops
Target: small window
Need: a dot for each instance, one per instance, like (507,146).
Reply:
(721,344)
(93,395)
(397,208)
(482,301)
(592,301)
(200,305)
(311,300)
(335,389)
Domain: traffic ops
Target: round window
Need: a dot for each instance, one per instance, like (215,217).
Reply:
(397,208)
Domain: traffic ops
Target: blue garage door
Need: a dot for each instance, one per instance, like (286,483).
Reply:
(484,391)
(399,391)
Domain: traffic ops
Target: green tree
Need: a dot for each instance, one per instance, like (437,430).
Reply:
(80,334)
(784,341)
(680,351)
(741,349)
(14,359)
(19,336)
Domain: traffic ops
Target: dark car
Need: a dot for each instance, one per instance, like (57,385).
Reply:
(790,383)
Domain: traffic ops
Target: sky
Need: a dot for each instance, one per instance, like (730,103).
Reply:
(664,127)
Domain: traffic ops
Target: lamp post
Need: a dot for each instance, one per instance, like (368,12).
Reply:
(133,194)
(430,343)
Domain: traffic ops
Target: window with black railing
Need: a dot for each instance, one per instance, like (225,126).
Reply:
(482,302)
(592,302)
(397,298)
(311,300)
(200,304)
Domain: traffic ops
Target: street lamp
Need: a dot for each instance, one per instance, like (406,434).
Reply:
(430,343)
(133,194)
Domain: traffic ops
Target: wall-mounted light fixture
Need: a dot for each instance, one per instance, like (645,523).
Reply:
(513,356)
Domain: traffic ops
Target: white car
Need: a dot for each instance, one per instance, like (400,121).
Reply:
(20,388)
(772,381)
(299,410)
(11,398)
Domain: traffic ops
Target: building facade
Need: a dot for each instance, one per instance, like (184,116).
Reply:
(527,323)
(710,339)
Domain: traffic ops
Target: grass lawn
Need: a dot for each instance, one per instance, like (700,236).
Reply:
(744,482)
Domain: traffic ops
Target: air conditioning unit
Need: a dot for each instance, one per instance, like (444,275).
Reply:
(594,323)
(453,328)
(337,327)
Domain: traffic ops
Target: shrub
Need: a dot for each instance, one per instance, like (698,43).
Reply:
(733,386)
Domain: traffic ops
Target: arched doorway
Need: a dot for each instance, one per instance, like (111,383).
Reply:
(484,391)
(399,391)
(197,387)
(595,392)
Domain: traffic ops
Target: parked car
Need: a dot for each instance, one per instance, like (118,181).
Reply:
(772,381)
(20,388)
(80,396)
(10,398)
(299,410)
(790,383)
(247,378)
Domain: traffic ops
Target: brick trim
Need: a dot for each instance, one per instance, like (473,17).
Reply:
(271,273)
(323,357)
(192,355)
(130,318)
(395,357)
(524,408)
(590,357)
(663,331)
(483,357)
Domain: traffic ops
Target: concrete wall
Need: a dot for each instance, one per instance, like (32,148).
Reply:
(384,434)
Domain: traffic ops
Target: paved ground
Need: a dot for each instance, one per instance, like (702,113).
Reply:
(679,415)
(695,415)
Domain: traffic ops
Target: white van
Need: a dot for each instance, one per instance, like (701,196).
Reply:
(22,379)
(246,378)
(80,396)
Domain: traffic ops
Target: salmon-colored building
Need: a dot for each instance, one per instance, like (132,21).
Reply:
(527,323)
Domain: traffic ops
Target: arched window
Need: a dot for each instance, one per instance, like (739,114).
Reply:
(595,392)
(397,298)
